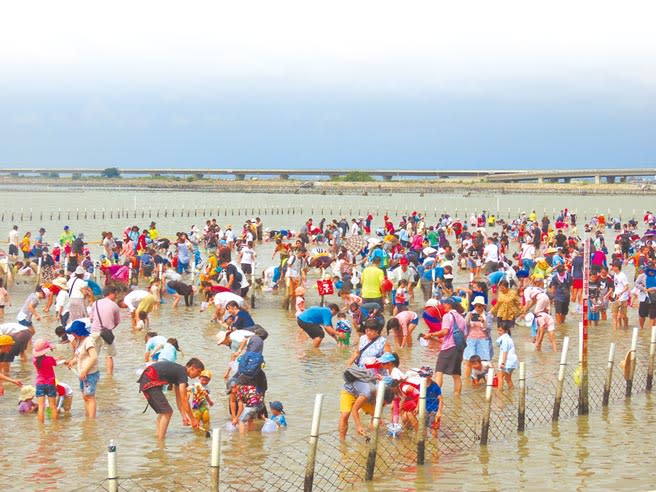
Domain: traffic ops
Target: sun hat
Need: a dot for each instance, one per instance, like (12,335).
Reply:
(429,251)
(79,271)
(41,347)
(300,291)
(432,303)
(206,373)
(78,328)
(6,340)
(479,300)
(60,282)
(220,337)
(276,405)
(386,358)
(27,392)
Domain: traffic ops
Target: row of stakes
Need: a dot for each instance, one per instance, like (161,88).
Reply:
(215,455)
(236,212)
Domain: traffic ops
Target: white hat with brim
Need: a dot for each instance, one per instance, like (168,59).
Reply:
(479,300)
(220,337)
(429,251)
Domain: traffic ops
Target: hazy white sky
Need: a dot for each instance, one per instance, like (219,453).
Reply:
(100,58)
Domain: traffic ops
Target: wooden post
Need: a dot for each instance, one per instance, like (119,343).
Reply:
(609,375)
(215,459)
(521,413)
(253,285)
(38,270)
(652,354)
(485,427)
(632,361)
(373,443)
(561,380)
(421,420)
(112,475)
(314,441)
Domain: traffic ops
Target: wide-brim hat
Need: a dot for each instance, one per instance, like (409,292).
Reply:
(27,392)
(41,347)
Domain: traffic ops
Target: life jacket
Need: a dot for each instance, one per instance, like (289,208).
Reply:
(150,379)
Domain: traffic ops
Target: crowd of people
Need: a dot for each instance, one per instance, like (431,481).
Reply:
(457,287)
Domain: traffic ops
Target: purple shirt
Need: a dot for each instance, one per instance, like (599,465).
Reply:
(106,310)
(447,322)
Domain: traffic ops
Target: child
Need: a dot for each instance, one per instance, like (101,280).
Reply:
(278,414)
(170,351)
(343,327)
(434,402)
(401,297)
(5,300)
(507,356)
(45,378)
(200,398)
(478,369)
(300,300)
(26,400)
(64,397)
(250,402)
(142,322)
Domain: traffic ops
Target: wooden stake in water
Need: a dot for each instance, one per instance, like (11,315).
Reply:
(215,458)
(632,361)
(521,413)
(652,354)
(373,443)
(609,375)
(485,427)
(112,474)
(38,271)
(421,420)
(561,380)
(314,441)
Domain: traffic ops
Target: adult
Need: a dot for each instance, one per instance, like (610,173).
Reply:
(164,373)
(240,318)
(490,256)
(295,273)
(317,321)
(78,289)
(28,310)
(478,338)
(561,285)
(182,290)
(105,314)
(6,345)
(358,393)
(646,285)
(14,241)
(402,325)
(67,237)
(508,305)
(221,300)
(370,346)
(233,277)
(449,360)
(620,296)
(21,336)
(360,313)
(86,359)
(372,280)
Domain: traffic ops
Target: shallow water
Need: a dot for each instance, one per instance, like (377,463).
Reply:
(598,452)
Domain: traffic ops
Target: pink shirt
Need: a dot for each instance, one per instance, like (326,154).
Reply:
(406,318)
(45,373)
(106,310)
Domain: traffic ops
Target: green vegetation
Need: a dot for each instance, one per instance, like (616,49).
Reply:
(111,172)
(353,177)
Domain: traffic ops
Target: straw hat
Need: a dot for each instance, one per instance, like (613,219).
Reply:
(27,392)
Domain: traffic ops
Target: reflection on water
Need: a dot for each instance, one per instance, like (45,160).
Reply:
(598,452)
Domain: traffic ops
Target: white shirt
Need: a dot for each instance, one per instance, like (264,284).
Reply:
(223,298)
(621,284)
(354,229)
(62,301)
(75,286)
(247,255)
(491,253)
(528,251)
(11,328)
(13,237)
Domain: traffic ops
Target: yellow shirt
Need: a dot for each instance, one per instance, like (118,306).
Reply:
(146,305)
(153,233)
(372,278)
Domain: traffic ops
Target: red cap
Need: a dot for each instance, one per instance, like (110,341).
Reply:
(403,261)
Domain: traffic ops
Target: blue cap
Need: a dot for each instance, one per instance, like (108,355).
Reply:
(276,405)
(78,328)
(386,357)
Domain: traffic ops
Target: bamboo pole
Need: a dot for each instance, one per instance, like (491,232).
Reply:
(314,441)
(561,380)
(485,427)
(609,375)
(421,430)
(373,443)
(521,413)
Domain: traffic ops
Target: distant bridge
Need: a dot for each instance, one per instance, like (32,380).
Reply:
(493,175)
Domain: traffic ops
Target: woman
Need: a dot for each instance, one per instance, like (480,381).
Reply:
(508,305)
(402,325)
(371,344)
(478,342)
(25,245)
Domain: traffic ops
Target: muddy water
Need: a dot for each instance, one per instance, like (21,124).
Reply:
(598,452)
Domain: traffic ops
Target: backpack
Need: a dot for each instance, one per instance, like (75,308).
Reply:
(250,364)
(458,335)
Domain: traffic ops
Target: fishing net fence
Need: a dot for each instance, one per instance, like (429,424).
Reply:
(341,464)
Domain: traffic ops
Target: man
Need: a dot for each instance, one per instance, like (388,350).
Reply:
(372,280)
(67,237)
(403,272)
(359,394)
(621,296)
(646,285)
(317,321)
(490,257)
(233,277)
(165,373)
(14,241)
(105,313)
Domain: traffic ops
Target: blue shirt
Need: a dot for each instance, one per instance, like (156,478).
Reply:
(243,321)
(280,420)
(317,315)
(433,392)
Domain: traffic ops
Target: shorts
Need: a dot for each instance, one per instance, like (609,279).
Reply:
(577,283)
(88,386)
(25,322)
(157,400)
(618,307)
(49,390)
(249,413)
(562,307)
(21,340)
(647,309)
(110,350)
(313,330)
(507,370)
(477,346)
(432,422)
(346,401)
(247,268)
(347,337)
(449,362)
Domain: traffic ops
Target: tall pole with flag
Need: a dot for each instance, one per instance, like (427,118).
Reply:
(583,388)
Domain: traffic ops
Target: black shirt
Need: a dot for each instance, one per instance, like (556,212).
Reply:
(180,287)
(167,371)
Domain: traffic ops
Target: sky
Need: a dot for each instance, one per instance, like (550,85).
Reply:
(340,84)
